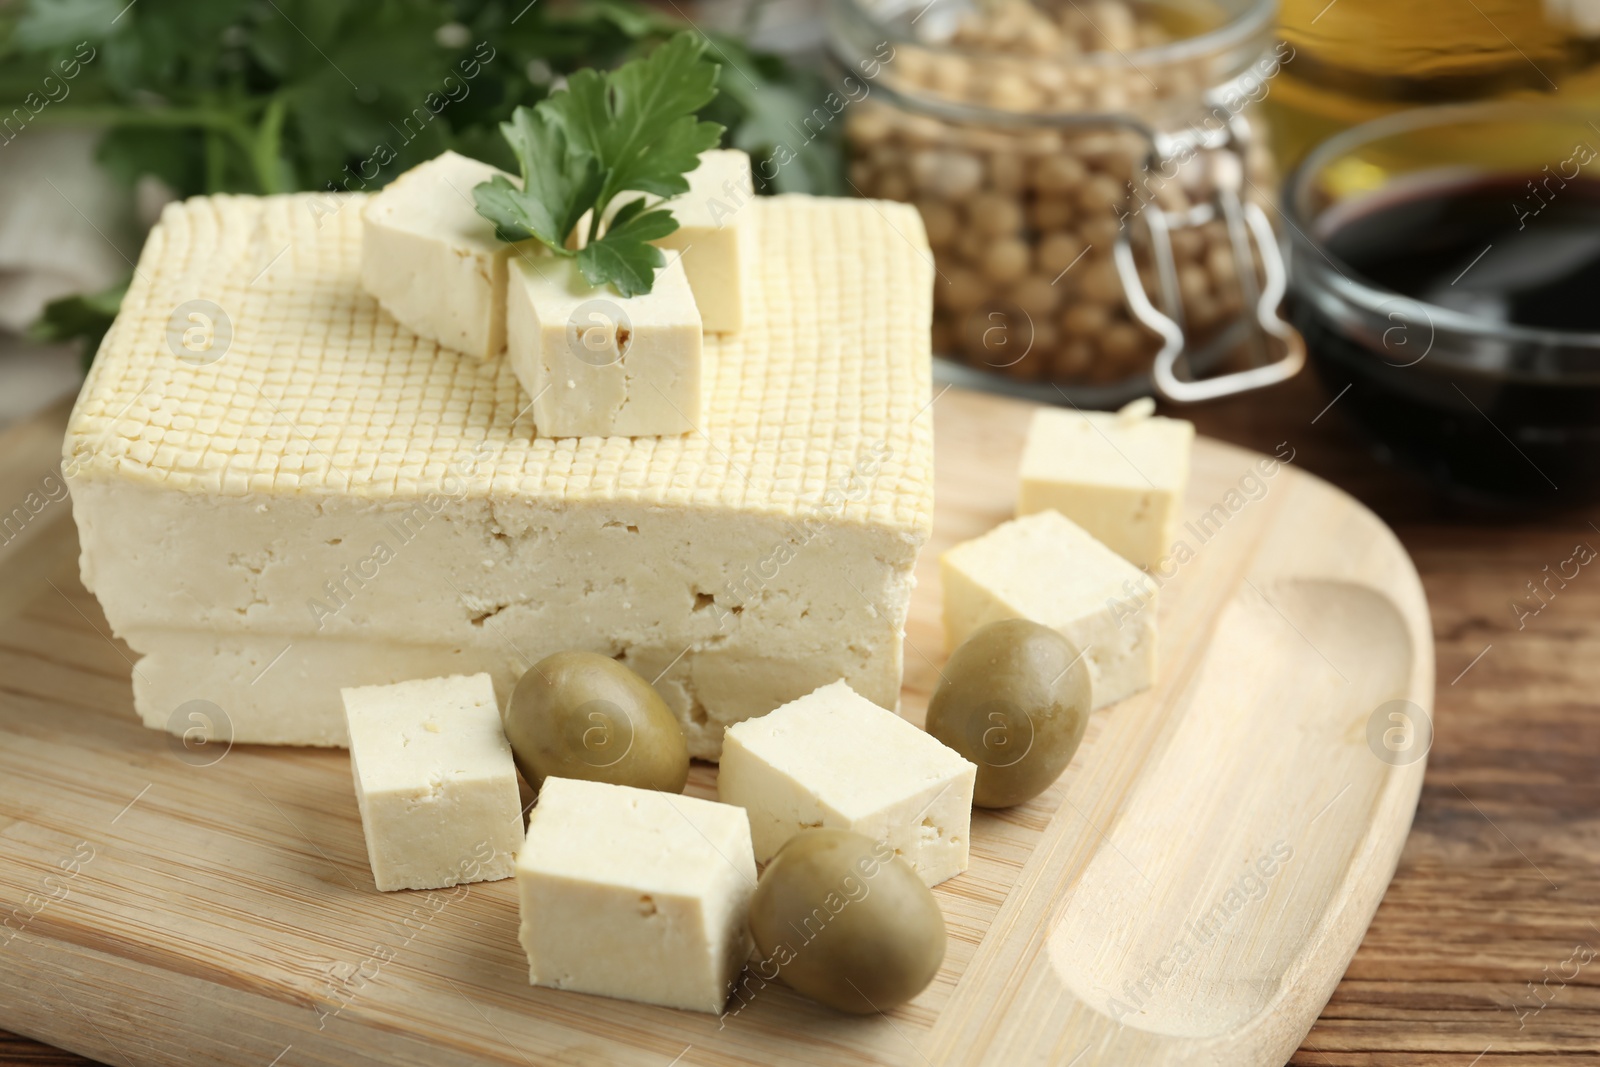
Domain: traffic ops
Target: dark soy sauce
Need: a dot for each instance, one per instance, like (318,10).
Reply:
(1497,251)
(1489,418)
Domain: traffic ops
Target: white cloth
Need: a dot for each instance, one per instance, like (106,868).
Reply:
(65,225)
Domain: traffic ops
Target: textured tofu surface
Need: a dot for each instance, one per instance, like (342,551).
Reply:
(635,893)
(319,392)
(329,500)
(835,759)
(1046,568)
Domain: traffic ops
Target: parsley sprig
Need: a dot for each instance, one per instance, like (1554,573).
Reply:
(632,130)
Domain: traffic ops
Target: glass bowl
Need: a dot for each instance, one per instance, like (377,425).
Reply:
(1458,382)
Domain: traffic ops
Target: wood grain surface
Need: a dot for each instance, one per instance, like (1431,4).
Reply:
(1498,884)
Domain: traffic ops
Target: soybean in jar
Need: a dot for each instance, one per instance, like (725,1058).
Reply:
(1024,133)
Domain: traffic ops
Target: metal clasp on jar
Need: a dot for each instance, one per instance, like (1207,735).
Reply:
(1252,240)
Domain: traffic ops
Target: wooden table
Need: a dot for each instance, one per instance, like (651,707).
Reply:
(1486,950)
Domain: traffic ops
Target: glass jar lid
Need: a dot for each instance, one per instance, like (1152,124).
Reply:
(1029,68)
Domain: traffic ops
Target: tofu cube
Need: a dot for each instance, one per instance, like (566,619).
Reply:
(598,364)
(435,781)
(833,758)
(1047,568)
(715,236)
(432,261)
(1119,476)
(635,894)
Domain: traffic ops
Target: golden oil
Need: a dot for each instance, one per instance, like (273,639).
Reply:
(1356,60)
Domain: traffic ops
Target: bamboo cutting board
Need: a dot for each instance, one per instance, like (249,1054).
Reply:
(1188,893)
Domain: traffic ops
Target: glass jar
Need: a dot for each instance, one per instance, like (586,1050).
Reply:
(1088,207)
(1358,60)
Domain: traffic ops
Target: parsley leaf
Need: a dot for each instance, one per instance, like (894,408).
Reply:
(631,130)
(639,121)
(558,183)
(623,256)
(86,316)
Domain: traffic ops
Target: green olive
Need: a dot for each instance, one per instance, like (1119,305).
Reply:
(1014,699)
(843,920)
(582,715)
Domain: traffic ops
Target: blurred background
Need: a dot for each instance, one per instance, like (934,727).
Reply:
(1035,136)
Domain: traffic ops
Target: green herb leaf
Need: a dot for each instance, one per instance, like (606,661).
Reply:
(85,317)
(623,256)
(558,183)
(639,121)
(631,130)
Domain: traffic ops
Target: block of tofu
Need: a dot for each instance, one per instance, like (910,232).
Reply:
(435,782)
(599,364)
(229,670)
(716,236)
(834,758)
(334,501)
(636,894)
(432,261)
(1119,476)
(1046,568)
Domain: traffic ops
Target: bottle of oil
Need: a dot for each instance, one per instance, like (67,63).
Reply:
(1355,60)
